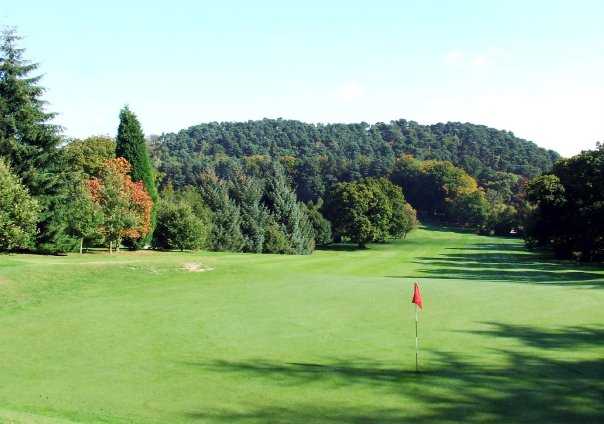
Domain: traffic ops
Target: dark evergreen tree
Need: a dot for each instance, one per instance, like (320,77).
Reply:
(309,181)
(321,226)
(130,144)
(275,240)
(226,217)
(27,137)
(288,212)
(29,140)
(247,193)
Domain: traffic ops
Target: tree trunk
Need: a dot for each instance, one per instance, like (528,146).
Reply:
(110,247)
(81,245)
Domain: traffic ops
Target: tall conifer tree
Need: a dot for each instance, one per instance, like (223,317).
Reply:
(226,220)
(247,194)
(130,144)
(288,213)
(29,140)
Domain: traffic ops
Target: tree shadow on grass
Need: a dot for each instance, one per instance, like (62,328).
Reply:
(302,414)
(507,262)
(341,247)
(529,387)
(574,337)
(438,226)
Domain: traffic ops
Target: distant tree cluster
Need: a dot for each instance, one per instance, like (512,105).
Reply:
(568,208)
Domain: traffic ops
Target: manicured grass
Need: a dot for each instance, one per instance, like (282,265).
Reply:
(506,336)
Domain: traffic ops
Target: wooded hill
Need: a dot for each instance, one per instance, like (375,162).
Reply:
(350,151)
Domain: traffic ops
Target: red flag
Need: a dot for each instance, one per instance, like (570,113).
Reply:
(417,296)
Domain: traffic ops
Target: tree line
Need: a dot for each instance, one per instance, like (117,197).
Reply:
(567,213)
(254,208)
(270,186)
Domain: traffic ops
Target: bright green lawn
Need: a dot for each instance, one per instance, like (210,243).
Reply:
(506,336)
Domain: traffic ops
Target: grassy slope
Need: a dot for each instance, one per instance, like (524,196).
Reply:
(506,336)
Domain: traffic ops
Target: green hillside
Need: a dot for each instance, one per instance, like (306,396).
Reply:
(350,151)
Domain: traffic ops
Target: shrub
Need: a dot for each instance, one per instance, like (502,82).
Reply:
(178,227)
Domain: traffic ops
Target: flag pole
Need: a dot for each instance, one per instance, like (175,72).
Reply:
(416,341)
(417,300)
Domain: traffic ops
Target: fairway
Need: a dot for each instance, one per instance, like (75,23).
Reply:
(148,337)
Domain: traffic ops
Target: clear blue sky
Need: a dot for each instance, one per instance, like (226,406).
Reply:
(532,67)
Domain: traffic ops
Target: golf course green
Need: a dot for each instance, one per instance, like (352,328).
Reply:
(148,337)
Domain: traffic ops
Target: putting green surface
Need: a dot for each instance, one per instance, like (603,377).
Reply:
(146,337)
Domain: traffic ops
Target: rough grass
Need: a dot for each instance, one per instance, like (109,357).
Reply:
(506,336)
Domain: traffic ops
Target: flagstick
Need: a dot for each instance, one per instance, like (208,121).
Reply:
(416,341)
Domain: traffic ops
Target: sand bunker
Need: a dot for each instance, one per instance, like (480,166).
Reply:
(195,267)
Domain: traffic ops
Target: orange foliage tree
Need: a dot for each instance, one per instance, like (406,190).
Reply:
(126,205)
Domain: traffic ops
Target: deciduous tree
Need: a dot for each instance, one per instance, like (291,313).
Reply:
(84,216)
(126,205)
(89,155)
(18,212)
(568,203)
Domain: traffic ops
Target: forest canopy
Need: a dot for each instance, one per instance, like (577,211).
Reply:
(350,151)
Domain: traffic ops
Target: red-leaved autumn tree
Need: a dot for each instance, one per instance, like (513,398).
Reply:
(126,205)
